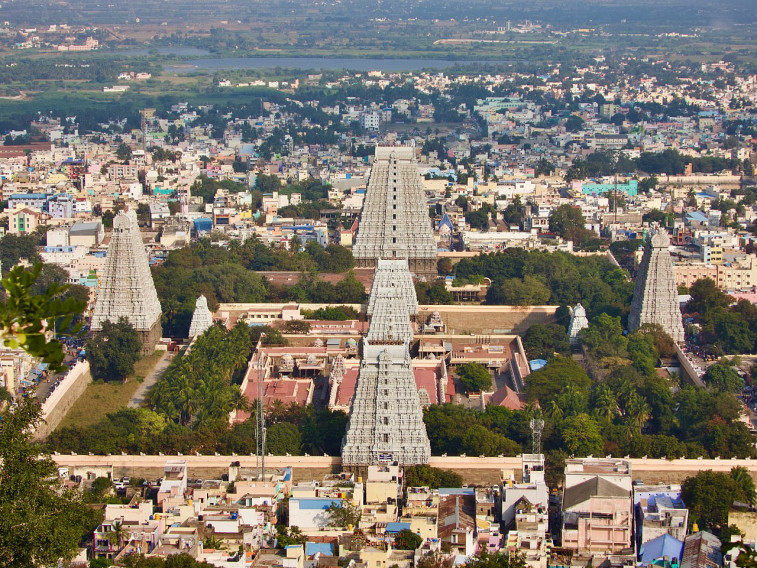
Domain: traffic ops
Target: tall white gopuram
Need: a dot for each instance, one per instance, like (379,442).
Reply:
(655,297)
(202,319)
(578,321)
(386,419)
(126,286)
(394,222)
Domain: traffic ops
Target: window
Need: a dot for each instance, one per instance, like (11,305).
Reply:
(386,421)
(386,437)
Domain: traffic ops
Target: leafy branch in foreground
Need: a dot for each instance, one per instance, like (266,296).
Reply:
(25,317)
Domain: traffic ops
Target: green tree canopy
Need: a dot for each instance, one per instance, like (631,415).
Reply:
(528,291)
(549,382)
(568,222)
(709,496)
(40,522)
(113,351)
(543,341)
(407,540)
(433,477)
(474,377)
(582,436)
(723,376)
(283,438)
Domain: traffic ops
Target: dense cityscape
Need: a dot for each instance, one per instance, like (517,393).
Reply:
(289,285)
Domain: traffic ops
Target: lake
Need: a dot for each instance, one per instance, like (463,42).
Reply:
(315,63)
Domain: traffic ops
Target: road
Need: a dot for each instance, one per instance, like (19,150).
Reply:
(139,395)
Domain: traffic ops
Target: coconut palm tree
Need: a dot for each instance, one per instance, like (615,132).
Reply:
(605,403)
(117,534)
(637,411)
(741,476)
(553,411)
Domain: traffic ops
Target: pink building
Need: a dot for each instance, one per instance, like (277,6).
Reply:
(598,507)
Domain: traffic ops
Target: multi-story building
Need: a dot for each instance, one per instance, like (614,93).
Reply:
(533,488)
(597,507)
(659,510)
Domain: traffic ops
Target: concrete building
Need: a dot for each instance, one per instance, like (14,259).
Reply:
(597,507)
(533,488)
(659,510)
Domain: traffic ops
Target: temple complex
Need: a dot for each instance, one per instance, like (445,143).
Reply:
(126,287)
(394,222)
(386,418)
(655,298)
(202,319)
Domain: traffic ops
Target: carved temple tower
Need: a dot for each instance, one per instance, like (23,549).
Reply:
(394,222)
(386,419)
(655,298)
(202,319)
(126,287)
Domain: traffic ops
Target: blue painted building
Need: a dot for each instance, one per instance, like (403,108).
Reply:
(630,188)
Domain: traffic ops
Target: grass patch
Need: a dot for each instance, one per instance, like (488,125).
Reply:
(100,398)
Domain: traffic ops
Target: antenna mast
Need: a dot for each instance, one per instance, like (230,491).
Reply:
(537,427)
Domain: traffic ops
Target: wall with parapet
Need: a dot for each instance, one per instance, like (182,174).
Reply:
(63,398)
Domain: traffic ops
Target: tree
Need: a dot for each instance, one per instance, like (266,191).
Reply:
(499,559)
(528,291)
(480,441)
(574,123)
(581,436)
(642,351)
(407,540)
(40,522)
(427,476)
(117,534)
(723,376)
(478,219)
(706,296)
(663,343)
(550,381)
(744,479)
(709,496)
(123,152)
(474,377)
(568,222)
(283,438)
(604,337)
(543,341)
(344,514)
(113,352)
(25,316)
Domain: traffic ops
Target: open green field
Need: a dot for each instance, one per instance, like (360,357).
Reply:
(101,399)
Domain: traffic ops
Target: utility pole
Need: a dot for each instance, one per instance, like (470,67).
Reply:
(261,429)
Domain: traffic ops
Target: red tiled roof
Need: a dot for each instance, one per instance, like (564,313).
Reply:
(506,397)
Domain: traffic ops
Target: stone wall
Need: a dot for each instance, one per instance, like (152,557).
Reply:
(63,398)
(483,320)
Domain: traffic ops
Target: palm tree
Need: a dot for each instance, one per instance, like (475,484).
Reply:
(117,534)
(605,403)
(741,476)
(553,411)
(637,411)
